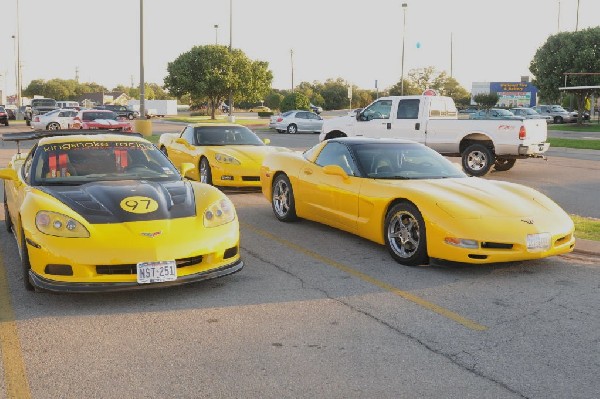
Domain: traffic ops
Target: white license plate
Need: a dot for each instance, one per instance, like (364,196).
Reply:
(156,272)
(538,242)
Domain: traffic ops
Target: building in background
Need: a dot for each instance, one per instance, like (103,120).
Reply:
(511,94)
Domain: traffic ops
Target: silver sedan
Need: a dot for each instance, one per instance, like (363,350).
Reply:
(297,122)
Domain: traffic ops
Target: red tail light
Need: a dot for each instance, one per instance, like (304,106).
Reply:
(522,133)
(36,119)
(279,119)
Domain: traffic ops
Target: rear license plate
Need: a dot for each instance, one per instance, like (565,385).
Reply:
(156,272)
(538,242)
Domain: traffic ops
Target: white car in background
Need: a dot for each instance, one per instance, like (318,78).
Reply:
(54,120)
(296,121)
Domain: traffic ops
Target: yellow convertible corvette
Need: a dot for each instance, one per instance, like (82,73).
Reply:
(101,212)
(228,155)
(414,201)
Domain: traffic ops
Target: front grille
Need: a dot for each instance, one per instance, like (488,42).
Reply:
(132,268)
(250,178)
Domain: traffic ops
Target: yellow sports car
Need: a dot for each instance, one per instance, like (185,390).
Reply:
(227,155)
(101,212)
(414,201)
(260,108)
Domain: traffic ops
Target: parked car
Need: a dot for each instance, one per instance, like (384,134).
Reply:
(411,199)
(260,108)
(120,110)
(556,112)
(11,114)
(100,119)
(529,113)
(39,106)
(69,105)
(93,211)
(470,110)
(297,121)
(3,116)
(493,113)
(54,120)
(223,154)
(316,109)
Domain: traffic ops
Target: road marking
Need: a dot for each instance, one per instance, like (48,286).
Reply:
(447,313)
(15,376)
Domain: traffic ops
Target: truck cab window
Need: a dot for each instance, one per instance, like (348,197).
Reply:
(377,110)
(408,109)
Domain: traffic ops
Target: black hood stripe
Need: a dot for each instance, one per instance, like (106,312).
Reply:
(100,202)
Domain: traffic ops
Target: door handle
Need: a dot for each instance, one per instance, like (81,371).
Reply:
(389,125)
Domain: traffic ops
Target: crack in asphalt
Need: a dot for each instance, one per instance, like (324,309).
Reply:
(453,358)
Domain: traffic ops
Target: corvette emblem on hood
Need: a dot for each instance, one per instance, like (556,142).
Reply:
(527,220)
(151,235)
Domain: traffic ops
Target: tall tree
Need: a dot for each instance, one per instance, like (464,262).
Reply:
(212,72)
(567,52)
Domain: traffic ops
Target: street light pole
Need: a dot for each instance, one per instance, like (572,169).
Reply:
(19,78)
(292,59)
(558,21)
(404,5)
(577,20)
(142,88)
(230,48)
(216,35)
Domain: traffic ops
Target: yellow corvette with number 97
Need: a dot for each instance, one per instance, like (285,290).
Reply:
(106,212)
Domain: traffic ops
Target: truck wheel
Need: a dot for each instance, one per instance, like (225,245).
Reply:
(27,122)
(25,265)
(130,116)
(504,164)
(477,160)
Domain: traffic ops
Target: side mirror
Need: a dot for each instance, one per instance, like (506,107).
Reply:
(8,174)
(267,141)
(335,170)
(186,168)
(181,141)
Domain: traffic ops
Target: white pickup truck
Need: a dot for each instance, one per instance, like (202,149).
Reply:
(433,121)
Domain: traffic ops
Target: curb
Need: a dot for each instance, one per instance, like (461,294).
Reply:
(587,247)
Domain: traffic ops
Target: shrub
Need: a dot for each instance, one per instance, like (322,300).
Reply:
(264,113)
(295,101)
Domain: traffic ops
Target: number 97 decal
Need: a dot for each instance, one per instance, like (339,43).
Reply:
(139,205)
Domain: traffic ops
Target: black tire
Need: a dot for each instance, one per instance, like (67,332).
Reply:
(53,126)
(558,119)
(404,233)
(292,129)
(25,265)
(28,122)
(130,116)
(163,149)
(7,221)
(504,164)
(6,123)
(282,199)
(477,159)
(205,172)
(280,131)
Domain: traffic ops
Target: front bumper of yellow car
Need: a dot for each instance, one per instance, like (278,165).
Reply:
(107,261)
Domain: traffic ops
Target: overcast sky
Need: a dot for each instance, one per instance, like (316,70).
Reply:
(359,41)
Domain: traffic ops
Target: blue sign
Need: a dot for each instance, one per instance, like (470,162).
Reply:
(514,94)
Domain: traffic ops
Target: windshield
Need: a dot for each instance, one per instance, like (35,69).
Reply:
(504,112)
(558,108)
(403,161)
(82,162)
(226,135)
(43,103)
(93,115)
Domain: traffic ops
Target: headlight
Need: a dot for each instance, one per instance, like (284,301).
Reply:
(219,213)
(59,225)
(462,242)
(224,158)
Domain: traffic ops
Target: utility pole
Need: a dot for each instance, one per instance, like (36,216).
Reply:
(404,5)
(577,20)
(558,21)
(142,88)
(292,59)
(230,48)
(451,54)
(77,74)
(216,34)
(19,78)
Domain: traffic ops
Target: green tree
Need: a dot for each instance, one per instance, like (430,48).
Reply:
(212,72)
(335,94)
(295,100)
(567,52)
(486,100)
(410,89)
(273,100)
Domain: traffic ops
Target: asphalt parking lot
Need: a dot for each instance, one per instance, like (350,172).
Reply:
(315,313)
